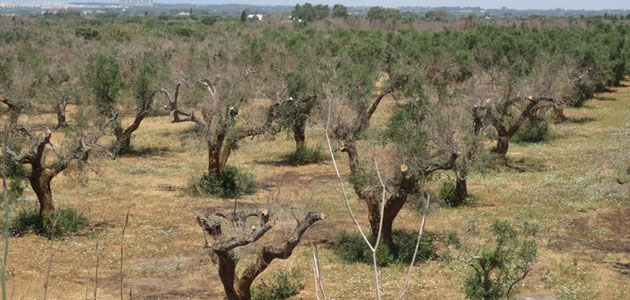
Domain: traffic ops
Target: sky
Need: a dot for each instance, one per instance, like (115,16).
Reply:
(529,4)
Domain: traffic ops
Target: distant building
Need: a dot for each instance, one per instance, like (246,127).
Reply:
(257,16)
(184,14)
(137,2)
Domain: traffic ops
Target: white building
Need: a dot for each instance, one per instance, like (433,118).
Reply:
(257,16)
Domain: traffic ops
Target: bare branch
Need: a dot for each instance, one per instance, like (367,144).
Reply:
(427,199)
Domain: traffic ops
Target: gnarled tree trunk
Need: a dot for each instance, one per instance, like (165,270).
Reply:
(503,143)
(461,186)
(123,137)
(40,182)
(558,114)
(60,109)
(224,247)
(299,129)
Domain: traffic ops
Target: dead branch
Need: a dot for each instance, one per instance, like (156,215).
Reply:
(224,246)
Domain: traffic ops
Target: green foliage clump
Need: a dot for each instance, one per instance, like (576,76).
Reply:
(382,14)
(285,285)
(339,11)
(87,33)
(506,259)
(16,173)
(309,13)
(15,35)
(353,248)
(104,80)
(447,193)
(208,20)
(232,183)
(533,132)
(305,155)
(183,31)
(61,222)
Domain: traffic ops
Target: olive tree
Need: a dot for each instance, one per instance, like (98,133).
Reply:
(235,80)
(226,245)
(365,75)
(34,147)
(103,77)
(510,100)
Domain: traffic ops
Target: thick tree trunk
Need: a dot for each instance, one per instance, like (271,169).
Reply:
(61,114)
(558,114)
(503,143)
(461,187)
(123,137)
(40,182)
(124,144)
(214,162)
(227,269)
(374,213)
(299,135)
(392,207)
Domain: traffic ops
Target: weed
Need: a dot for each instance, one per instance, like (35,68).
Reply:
(285,285)
(304,156)
(353,248)
(533,132)
(232,183)
(63,220)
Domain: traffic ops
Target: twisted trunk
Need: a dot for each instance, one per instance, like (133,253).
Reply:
(40,182)
(503,143)
(299,129)
(240,288)
(61,114)
(558,114)
(461,187)
(218,155)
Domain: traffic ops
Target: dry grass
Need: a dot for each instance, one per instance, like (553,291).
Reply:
(568,187)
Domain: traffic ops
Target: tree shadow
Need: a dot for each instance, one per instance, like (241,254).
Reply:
(624,269)
(582,120)
(284,162)
(147,152)
(522,165)
(606,98)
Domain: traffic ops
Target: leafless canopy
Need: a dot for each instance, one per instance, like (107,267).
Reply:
(224,246)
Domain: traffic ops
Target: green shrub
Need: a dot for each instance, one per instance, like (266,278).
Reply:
(232,183)
(304,156)
(353,248)
(16,173)
(285,285)
(533,132)
(505,260)
(208,20)
(447,193)
(65,220)
(87,33)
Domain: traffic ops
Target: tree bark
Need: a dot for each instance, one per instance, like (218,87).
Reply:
(299,129)
(461,187)
(503,143)
(558,114)
(40,182)
(216,157)
(61,114)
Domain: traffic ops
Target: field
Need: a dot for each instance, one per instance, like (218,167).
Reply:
(567,186)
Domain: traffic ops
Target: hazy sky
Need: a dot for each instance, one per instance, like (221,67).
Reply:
(529,4)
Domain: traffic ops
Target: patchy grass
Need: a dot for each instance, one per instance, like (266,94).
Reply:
(567,186)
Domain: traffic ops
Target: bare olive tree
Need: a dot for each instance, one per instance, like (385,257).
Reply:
(510,100)
(225,246)
(216,113)
(46,161)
